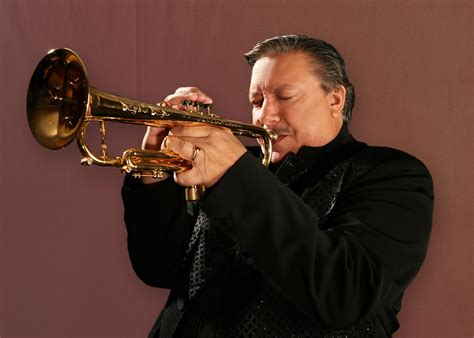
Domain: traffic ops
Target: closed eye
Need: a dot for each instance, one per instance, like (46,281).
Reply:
(256,103)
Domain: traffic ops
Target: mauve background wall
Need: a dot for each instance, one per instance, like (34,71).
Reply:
(64,265)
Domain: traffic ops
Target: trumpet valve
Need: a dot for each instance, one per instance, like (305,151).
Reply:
(195,107)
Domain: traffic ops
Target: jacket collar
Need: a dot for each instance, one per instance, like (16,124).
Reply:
(295,165)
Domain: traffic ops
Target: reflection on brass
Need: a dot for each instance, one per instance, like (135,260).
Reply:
(61,104)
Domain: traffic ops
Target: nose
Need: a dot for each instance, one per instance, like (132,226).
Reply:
(268,114)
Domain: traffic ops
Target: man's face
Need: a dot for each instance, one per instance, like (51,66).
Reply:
(287,97)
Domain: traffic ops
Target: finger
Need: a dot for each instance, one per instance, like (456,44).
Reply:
(204,98)
(184,149)
(164,143)
(177,99)
(187,93)
(188,178)
(195,93)
(156,131)
(186,90)
(153,137)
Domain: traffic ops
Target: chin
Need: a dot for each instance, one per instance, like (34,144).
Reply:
(277,157)
(280,151)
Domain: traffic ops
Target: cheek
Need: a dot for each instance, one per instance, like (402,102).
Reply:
(296,123)
(287,144)
(301,131)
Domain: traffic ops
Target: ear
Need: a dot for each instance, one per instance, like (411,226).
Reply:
(337,98)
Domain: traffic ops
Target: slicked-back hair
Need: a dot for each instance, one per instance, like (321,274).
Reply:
(328,64)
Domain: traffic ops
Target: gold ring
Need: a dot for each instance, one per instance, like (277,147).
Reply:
(196,152)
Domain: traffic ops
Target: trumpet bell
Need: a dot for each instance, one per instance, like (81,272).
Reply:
(57,98)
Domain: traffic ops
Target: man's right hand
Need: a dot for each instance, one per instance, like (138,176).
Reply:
(187,93)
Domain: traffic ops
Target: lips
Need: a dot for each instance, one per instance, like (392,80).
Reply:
(280,137)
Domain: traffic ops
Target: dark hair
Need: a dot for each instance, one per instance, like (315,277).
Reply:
(328,64)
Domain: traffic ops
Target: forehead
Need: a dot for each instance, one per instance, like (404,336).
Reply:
(282,70)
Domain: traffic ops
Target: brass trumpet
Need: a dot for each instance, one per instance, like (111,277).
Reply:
(61,104)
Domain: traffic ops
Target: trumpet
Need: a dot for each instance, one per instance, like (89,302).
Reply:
(61,104)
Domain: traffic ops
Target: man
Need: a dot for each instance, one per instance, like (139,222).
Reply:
(321,245)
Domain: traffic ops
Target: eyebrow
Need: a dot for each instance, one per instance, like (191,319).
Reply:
(277,90)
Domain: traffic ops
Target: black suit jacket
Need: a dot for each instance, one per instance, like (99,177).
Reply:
(325,246)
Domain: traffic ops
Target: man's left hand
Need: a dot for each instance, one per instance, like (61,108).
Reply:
(213,150)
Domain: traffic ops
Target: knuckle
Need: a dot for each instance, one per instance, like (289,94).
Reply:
(187,90)
(172,99)
(175,144)
(187,147)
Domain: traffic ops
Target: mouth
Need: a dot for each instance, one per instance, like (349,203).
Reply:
(280,137)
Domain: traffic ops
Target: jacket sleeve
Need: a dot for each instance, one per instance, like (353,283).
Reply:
(376,240)
(159,228)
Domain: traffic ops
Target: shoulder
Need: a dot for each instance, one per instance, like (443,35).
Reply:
(391,160)
(390,157)
(393,166)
